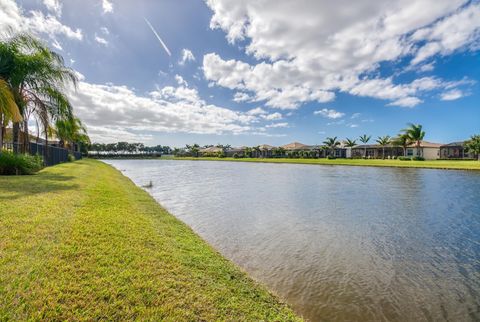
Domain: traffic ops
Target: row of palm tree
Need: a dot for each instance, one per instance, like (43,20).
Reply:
(33,84)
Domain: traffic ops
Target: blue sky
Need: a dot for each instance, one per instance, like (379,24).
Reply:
(254,72)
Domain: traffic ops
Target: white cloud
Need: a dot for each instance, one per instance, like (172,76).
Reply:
(241,97)
(180,81)
(257,111)
(355,115)
(273,116)
(406,102)
(101,40)
(187,56)
(35,22)
(451,95)
(308,50)
(277,125)
(329,113)
(105,30)
(54,6)
(107,6)
(113,112)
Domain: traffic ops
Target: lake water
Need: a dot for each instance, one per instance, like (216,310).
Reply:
(337,243)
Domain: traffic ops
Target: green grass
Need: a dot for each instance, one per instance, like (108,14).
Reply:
(433,164)
(80,241)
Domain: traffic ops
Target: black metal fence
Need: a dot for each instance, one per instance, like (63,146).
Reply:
(53,155)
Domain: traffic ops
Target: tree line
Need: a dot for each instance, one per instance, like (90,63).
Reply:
(126,147)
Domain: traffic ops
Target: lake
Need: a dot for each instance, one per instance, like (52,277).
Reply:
(338,243)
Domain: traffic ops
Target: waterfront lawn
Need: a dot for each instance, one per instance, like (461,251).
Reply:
(433,164)
(79,241)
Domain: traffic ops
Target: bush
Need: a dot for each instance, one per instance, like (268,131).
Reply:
(71,158)
(19,164)
(404,158)
(331,157)
(418,159)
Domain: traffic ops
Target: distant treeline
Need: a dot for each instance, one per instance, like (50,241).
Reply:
(128,148)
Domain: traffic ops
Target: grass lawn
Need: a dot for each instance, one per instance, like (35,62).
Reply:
(80,241)
(434,164)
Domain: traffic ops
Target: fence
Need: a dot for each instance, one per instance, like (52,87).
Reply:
(55,155)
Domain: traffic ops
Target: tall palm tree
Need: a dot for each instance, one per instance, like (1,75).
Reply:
(402,140)
(331,144)
(415,134)
(8,109)
(70,132)
(350,144)
(383,141)
(38,80)
(364,139)
(257,151)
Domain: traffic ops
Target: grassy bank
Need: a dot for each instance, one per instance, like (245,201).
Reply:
(432,164)
(80,241)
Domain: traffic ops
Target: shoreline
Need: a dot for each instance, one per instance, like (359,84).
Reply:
(104,248)
(428,164)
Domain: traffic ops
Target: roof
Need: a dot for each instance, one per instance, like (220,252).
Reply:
(211,149)
(295,146)
(266,147)
(426,144)
(453,144)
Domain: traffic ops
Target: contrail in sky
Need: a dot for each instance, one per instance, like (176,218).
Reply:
(158,37)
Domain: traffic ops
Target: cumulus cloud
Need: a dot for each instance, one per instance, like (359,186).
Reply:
(35,22)
(107,6)
(277,125)
(329,113)
(101,40)
(187,56)
(54,6)
(451,95)
(308,50)
(406,102)
(114,111)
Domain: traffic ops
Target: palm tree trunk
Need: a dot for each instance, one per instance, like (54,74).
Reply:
(383,153)
(26,137)
(1,133)
(15,136)
(46,146)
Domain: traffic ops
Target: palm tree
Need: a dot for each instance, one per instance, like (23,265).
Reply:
(415,134)
(402,140)
(473,145)
(364,139)
(383,141)
(350,144)
(8,109)
(257,151)
(70,132)
(331,144)
(37,77)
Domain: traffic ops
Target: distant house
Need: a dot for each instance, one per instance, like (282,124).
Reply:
(263,151)
(375,151)
(210,151)
(239,151)
(296,146)
(455,150)
(427,150)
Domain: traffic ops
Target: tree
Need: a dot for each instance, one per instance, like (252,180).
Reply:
(193,149)
(350,144)
(415,135)
(364,139)
(473,145)
(71,131)
(8,109)
(331,144)
(383,141)
(402,140)
(37,78)
(257,151)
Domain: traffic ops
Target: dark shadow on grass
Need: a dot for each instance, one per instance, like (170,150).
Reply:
(16,187)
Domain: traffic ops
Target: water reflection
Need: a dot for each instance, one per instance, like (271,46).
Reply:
(338,243)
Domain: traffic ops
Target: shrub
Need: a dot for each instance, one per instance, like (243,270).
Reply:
(19,164)
(331,157)
(71,158)
(236,156)
(404,158)
(418,158)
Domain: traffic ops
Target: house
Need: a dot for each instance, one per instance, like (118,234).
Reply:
(375,151)
(263,151)
(455,150)
(427,150)
(296,146)
(210,151)
(239,151)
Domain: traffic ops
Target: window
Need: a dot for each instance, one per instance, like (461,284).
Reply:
(409,152)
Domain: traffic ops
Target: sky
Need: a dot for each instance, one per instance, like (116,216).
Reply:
(256,72)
